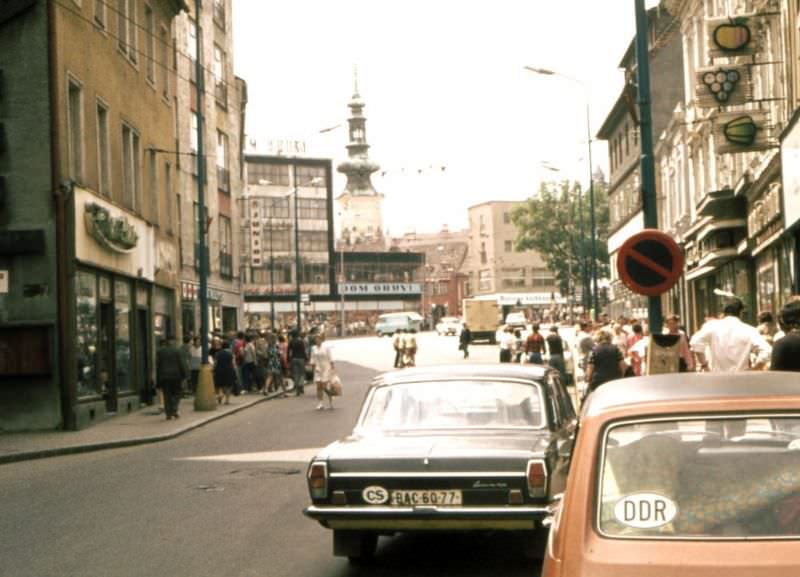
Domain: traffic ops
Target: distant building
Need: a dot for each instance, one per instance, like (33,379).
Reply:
(269,212)
(443,280)
(88,245)
(495,270)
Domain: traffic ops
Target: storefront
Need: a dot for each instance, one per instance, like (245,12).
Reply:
(223,309)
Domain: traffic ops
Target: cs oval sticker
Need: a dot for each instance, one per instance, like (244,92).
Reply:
(375,495)
(645,510)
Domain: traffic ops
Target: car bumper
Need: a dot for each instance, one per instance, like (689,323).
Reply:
(428,518)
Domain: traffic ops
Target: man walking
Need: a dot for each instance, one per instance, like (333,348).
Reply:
(786,352)
(464,339)
(555,346)
(298,357)
(534,346)
(397,343)
(730,343)
(171,371)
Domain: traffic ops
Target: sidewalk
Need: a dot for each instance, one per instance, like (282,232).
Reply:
(146,425)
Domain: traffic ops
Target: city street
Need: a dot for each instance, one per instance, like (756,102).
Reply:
(223,500)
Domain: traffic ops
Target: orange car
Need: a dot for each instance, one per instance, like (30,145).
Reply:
(683,475)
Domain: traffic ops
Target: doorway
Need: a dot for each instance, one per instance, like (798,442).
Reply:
(105,356)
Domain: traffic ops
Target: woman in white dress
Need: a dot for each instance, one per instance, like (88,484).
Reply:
(323,370)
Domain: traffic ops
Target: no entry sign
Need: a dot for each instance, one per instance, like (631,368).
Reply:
(650,262)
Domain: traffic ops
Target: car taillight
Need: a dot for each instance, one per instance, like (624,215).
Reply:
(318,480)
(537,478)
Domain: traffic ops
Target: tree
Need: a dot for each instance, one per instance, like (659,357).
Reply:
(549,224)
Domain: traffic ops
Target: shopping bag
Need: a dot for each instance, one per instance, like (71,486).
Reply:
(335,386)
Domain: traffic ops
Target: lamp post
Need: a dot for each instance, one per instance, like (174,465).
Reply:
(548,72)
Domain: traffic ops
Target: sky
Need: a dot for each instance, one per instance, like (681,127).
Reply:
(444,86)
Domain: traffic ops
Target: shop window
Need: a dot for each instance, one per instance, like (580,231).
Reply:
(86,334)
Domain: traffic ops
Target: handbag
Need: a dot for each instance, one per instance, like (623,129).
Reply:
(335,386)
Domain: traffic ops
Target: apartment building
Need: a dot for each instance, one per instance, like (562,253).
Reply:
(88,243)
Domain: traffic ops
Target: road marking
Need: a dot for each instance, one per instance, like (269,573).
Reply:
(292,456)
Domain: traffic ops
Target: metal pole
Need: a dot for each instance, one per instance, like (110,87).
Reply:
(204,395)
(646,166)
(584,269)
(271,273)
(297,245)
(341,285)
(596,301)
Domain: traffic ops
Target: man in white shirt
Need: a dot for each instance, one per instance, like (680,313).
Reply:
(730,343)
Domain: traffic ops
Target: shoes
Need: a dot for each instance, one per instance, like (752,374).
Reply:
(177,416)
(320,407)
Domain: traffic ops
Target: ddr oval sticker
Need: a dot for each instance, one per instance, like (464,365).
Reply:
(645,510)
(375,495)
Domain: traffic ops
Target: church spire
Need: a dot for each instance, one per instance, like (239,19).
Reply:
(358,167)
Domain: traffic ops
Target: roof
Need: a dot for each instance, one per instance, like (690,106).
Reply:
(464,371)
(692,387)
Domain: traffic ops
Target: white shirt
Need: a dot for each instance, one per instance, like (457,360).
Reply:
(730,343)
(507,341)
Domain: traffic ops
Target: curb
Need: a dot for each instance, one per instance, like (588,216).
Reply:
(91,447)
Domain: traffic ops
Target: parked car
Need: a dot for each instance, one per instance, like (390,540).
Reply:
(464,447)
(448,326)
(517,320)
(390,323)
(692,475)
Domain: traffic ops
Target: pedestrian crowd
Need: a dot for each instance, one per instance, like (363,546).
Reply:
(247,362)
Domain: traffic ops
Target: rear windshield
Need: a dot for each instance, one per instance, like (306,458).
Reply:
(454,404)
(708,478)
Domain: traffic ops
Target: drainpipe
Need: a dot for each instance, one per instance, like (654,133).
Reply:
(62,193)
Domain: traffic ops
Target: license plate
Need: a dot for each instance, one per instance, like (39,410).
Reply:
(433,498)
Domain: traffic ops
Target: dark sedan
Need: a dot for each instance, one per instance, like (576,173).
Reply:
(454,448)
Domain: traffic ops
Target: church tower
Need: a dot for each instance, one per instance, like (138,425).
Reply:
(360,204)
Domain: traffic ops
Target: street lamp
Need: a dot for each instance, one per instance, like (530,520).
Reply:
(548,72)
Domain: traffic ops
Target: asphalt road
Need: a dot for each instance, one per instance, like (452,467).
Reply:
(223,500)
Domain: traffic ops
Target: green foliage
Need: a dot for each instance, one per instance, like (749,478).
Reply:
(549,223)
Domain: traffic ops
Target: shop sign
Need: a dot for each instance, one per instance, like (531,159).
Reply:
(113,232)
(191,291)
(381,288)
(732,36)
(745,131)
(764,211)
(255,234)
(723,86)
(790,166)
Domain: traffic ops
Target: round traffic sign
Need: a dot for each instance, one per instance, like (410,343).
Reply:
(650,262)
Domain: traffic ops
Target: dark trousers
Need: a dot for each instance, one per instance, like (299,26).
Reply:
(465,348)
(535,358)
(248,376)
(172,396)
(505,355)
(298,367)
(398,357)
(193,381)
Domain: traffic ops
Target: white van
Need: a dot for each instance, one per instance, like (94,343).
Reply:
(390,323)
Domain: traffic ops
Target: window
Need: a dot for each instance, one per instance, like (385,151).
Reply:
(313,241)
(313,208)
(508,245)
(219,13)
(150,43)
(168,194)
(100,13)
(152,186)
(75,129)
(131,163)
(220,87)
(305,174)
(275,174)
(485,280)
(191,42)
(225,247)
(223,174)
(103,152)
(163,46)
(506,218)
(126,29)
(278,240)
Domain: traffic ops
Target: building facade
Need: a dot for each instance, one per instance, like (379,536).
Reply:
(728,193)
(443,280)
(620,130)
(87,246)
(495,270)
(287,217)
(223,109)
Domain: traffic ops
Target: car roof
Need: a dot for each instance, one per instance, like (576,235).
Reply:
(463,371)
(691,387)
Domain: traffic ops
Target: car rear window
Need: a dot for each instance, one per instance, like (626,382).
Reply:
(454,404)
(701,478)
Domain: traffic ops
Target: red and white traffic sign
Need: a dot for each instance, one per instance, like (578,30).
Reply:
(650,262)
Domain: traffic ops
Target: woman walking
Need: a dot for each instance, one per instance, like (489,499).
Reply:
(323,370)
(224,373)
(606,362)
